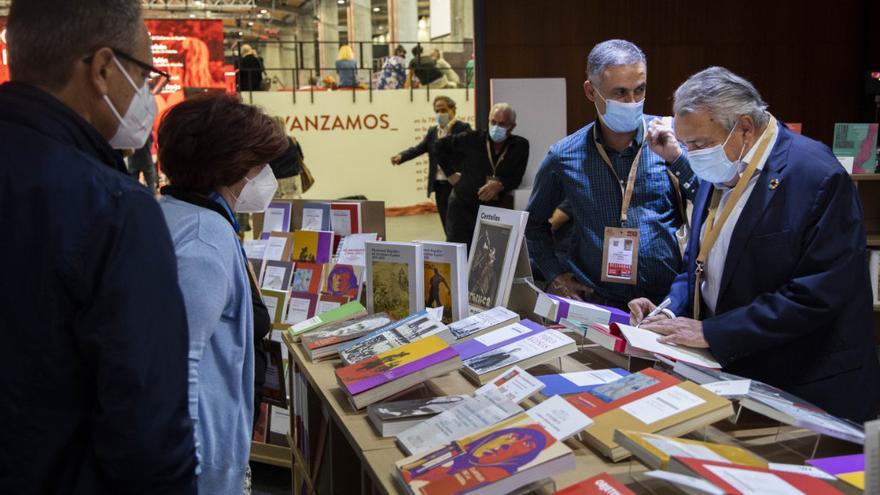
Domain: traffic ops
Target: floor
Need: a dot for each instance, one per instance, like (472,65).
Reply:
(271,480)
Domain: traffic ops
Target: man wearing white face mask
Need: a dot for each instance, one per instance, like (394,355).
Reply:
(94,357)
(775,282)
(625,179)
(492,166)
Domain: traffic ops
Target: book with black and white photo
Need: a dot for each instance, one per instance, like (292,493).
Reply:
(392,418)
(483,322)
(395,278)
(446,278)
(492,262)
(537,349)
(324,342)
(395,335)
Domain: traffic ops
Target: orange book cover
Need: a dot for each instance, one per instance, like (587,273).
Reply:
(611,396)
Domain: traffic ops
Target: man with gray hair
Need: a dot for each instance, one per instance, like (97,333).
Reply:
(492,164)
(624,179)
(93,366)
(775,283)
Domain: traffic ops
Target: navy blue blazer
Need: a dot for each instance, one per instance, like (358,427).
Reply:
(794,307)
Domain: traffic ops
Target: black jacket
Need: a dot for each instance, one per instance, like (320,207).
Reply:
(93,365)
(475,165)
(427,146)
(250,74)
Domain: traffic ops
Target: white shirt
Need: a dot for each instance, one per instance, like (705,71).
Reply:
(711,285)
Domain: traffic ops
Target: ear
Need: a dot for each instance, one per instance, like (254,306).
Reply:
(99,70)
(589,91)
(510,131)
(747,126)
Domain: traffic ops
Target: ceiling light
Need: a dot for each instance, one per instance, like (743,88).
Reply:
(340,2)
(264,11)
(376,9)
(250,23)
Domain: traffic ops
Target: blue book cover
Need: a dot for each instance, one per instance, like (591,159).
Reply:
(315,216)
(578,382)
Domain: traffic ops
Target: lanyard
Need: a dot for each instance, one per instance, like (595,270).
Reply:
(492,162)
(713,224)
(626,193)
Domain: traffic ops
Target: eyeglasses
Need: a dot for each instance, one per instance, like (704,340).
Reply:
(157,78)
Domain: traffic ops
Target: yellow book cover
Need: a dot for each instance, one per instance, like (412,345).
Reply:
(656,450)
(394,364)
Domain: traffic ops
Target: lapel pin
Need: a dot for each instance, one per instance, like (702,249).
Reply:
(774,184)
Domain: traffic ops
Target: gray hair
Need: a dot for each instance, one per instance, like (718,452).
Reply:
(504,107)
(723,94)
(46,37)
(610,53)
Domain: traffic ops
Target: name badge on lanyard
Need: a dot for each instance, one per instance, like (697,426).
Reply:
(620,251)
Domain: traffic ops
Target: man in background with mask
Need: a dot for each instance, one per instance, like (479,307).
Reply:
(625,178)
(775,284)
(93,367)
(493,166)
(446,125)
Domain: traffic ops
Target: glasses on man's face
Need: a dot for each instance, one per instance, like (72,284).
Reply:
(156,80)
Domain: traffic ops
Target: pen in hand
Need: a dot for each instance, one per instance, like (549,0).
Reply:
(656,311)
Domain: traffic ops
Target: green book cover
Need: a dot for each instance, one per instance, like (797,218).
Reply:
(855,145)
(345,312)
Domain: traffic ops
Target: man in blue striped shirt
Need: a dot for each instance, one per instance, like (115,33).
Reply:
(595,185)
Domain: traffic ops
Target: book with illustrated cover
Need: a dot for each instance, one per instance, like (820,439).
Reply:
(446,278)
(536,349)
(371,380)
(392,418)
(497,240)
(482,322)
(847,468)
(739,479)
(307,277)
(300,307)
(395,278)
(277,275)
(347,311)
(325,341)
(326,302)
(578,381)
(395,335)
(655,451)
(497,338)
(345,218)
(344,280)
(498,459)
(602,484)
(277,216)
(312,246)
(855,145)
(276,303)
(316,216)
(649,401)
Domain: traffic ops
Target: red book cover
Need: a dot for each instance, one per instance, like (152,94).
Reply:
(262,422)
(738,479)
(307,277)
(612,333)
(604,484)
(631,388)
(342,227)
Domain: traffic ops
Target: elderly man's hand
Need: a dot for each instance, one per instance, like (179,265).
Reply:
(566,285)
(662,140)
(681,331)
(490,191)
(639,310)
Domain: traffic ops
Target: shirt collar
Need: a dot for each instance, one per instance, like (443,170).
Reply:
(633,146)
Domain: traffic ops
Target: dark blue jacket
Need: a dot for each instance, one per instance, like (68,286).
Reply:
(427,145)
(794,308)
(93,361)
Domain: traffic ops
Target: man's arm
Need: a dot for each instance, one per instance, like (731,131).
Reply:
(135,333)
(519,163)
(688,183)
(544,199)
(419,149)
(832,258)
(451,147)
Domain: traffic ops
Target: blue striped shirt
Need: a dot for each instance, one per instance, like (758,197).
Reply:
(574,170)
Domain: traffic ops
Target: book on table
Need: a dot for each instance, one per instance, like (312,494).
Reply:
(324,342)
(536,349)
(556,308)
(392,418)
(655,451)
(395,278)
(301,306)
(847,468)
(647,341)
(497,338)
(345,312)
(740,479)
(498,459)
(602,484)
(605,336)
(482,322)
(385,375)
(650,401)
(326,302)
(497,241)
(410,329)
(446,278)
(578,381)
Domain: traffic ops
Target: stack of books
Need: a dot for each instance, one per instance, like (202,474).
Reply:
(324,342)
(542,347)
(392,418)
(410,329)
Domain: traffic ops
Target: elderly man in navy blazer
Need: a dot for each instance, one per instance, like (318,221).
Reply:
(775,282)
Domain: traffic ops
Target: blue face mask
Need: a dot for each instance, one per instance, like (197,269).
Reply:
(621,117)
(497,133)
(712,164)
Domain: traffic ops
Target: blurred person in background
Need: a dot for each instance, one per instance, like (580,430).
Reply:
(250,70)
(394,70)
(452,79)
(346,68)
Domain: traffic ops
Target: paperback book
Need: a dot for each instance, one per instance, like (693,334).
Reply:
(316,216)
(855,145)
(344,280)
(276,303)
(603,484)
(345,312)
(555,308)
(497,338)
(345,218)
(497,240)
(326,302)
(655,451)
(578,381)
(536,349)
(307,277)
(300,307)
(324,342)
(738,479)
(392,418)
(352,249)
(277,275)
(446,278)
(395,335)
(482,322)
(395,278)
(277,217)
(312,246)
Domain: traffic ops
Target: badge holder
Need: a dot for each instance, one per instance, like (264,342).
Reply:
(620,256)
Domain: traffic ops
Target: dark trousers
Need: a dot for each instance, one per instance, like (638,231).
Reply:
(442,190)
(461,218)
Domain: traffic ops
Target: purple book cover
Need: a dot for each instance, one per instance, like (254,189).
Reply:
(348,375)
(486,342)
(840,465)
(617,315)
(288,209)
(325,247)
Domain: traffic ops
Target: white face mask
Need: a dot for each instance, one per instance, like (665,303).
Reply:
(256,195)
(135,127)
(621,117)
(712,164)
